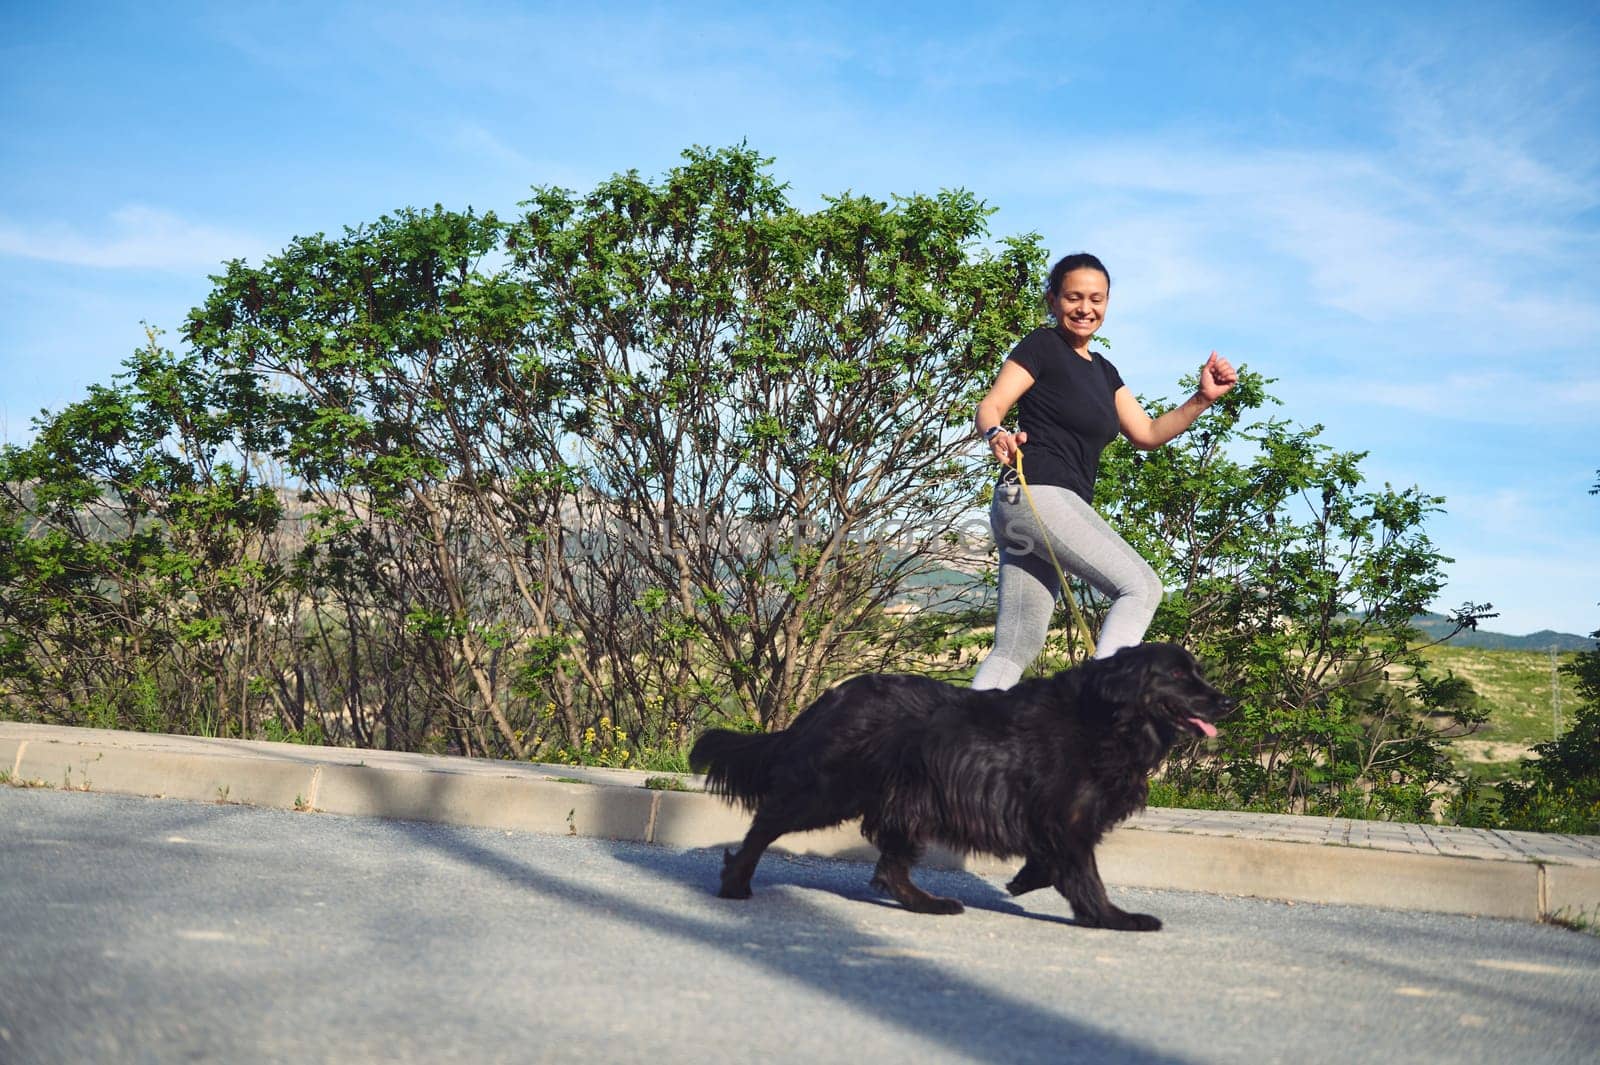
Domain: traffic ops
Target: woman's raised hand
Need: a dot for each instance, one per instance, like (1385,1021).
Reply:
(1217,378)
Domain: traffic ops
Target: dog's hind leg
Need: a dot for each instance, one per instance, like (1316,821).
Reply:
(897,854)
(737,869)
(1079,882)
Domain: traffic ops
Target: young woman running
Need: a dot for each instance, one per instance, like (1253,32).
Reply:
(1071,403)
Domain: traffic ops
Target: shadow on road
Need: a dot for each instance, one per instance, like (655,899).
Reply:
(918,997)
(973,891)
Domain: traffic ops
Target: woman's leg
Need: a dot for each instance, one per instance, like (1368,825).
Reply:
(1091,550)
(1087,548)
(1022,620)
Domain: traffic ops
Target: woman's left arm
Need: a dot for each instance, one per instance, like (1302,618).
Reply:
(1217,378)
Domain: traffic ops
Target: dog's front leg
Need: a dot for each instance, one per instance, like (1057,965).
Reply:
(897,854)
(1035,873)
(1078,880)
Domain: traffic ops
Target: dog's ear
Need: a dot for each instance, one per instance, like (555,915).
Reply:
(1112,682)
(1116,695)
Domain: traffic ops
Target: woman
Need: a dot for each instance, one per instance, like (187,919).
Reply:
(1071,403)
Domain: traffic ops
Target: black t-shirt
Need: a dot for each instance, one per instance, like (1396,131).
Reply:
(1069,413)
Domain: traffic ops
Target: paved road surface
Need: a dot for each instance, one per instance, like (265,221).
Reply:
(136,930)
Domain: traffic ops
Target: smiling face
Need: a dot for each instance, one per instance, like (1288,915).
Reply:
(1079,304)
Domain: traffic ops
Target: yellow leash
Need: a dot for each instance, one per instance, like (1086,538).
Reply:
(1066,589)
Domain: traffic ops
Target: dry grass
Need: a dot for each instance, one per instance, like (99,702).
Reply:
(1516,688)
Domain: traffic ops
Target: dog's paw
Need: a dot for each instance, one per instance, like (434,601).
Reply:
(934,904)
(1135,922)
(734,891)
(942,906)
(1122,921)
(915,899)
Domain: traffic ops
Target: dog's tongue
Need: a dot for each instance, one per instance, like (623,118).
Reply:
(1204,726)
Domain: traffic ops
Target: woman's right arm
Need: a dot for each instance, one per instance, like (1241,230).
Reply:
(1008,388)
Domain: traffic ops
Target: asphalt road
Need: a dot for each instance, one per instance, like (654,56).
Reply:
(137,930)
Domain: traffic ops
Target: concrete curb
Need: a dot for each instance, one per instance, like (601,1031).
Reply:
(1514,875)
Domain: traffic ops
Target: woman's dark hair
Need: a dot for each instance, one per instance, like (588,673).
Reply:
(1081,260)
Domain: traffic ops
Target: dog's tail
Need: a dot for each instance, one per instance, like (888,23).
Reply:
(737,765)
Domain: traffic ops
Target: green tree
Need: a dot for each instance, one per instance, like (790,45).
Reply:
(392,360)
(769,412)
(138,572)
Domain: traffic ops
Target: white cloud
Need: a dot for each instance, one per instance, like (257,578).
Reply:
(1500,130)
(476,140)
(1496,398)
(135,237)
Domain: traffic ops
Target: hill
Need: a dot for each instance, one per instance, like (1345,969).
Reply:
(1436,626)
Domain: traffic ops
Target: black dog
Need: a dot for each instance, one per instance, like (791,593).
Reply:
(1042,770)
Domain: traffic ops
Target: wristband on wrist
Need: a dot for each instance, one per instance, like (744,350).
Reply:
(990,434)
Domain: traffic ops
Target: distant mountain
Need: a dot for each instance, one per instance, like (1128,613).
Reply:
(1436,626)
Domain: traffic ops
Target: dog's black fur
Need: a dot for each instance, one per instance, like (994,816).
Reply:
(1042,770)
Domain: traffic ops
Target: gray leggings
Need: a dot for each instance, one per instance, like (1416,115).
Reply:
(1088,548)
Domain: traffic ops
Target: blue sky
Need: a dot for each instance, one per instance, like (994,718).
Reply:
(1392,209)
